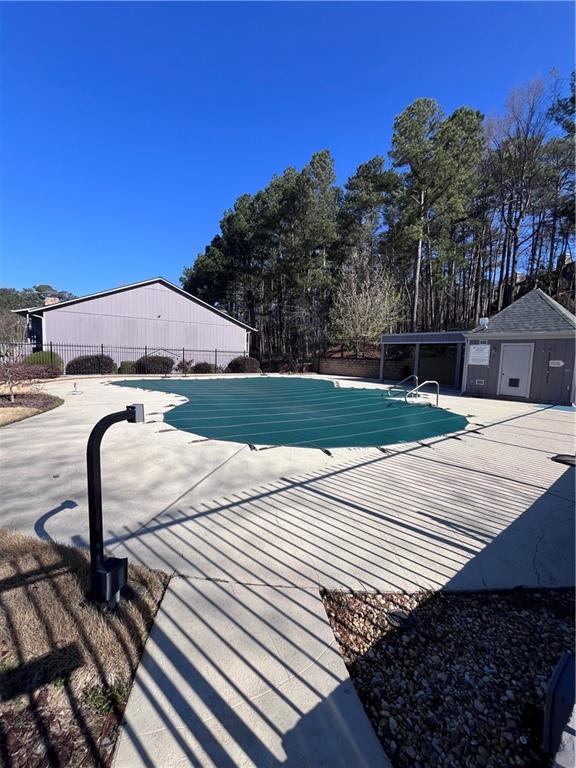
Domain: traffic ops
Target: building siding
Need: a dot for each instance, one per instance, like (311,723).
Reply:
(151,315)
(547,385)
(552,385)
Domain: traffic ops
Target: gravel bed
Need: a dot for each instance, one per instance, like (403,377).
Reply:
(455,679)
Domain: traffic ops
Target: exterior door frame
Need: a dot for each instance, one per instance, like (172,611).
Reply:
(512,344)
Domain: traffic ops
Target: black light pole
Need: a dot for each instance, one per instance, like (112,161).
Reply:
(107,575)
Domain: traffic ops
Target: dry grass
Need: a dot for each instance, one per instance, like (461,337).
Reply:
(67,666)
(10,415)
(27,404)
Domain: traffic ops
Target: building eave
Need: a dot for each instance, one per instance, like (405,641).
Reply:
(525,335)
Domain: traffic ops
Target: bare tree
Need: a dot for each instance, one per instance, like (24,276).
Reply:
(12,327)
(15,376)
(366,302)
(517,141)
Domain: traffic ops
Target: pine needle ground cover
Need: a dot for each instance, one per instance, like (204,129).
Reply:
(66,666)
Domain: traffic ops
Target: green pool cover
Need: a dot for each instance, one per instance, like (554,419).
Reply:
(298,412)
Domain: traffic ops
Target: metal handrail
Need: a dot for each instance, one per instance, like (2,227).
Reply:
(412,376)
(424,383)
(399,384)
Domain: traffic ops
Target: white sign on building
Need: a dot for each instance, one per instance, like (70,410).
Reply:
(479,354)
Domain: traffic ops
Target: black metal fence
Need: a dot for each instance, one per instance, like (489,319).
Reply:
(125,359)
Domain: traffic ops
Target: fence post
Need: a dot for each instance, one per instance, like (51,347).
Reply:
(145,359)
(184,363)
(51,355)
(215,360)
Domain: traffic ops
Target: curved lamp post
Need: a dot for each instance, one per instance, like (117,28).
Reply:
(107,575)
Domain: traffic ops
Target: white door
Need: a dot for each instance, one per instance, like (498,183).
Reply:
(516,369)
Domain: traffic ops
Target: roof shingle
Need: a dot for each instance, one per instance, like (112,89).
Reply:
(536,312)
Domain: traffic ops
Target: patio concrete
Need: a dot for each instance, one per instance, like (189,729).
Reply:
(240,668)
(235,675)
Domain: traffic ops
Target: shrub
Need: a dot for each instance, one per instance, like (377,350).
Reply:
(244,365)
(42,371)
(154,364)
(15,375)
(204,368)
(185,366)
(86,364)
(127,366)
(45,358)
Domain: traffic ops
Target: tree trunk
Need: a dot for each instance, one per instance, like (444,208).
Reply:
(418,266)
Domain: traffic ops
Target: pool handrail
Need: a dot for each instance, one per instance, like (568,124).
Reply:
(412,376)
(424,383)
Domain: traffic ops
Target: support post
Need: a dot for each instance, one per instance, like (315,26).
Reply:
(107,575)
(416,360)
(215,360)
(382,358)
(458,366)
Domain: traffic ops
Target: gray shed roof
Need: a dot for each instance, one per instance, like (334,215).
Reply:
(424,337)
(534,313)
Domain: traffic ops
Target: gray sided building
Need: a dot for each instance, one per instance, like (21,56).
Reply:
(525,352)
(154,313)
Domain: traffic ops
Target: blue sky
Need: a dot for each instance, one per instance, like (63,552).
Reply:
(129,128)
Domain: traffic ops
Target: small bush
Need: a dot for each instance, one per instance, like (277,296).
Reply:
(185,366)
(91,364)
(154,364)
(45,358)
(15,375)
(204,368)
(42,371)
(244,365)
(127,366)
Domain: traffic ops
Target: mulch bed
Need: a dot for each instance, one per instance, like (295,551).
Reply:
(30,400)
(452,679)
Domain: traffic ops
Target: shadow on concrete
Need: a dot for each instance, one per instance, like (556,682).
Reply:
(525,546)
(40,524)
(462,531)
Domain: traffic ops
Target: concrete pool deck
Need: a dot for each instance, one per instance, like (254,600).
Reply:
(241,666)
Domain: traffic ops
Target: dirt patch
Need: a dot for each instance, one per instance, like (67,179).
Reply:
(66,665)
(455,679)
(25,405)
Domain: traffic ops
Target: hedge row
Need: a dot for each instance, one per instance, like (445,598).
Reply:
(151,364)
(45,358)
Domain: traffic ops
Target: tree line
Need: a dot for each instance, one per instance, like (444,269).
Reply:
(463,216)
(13,327)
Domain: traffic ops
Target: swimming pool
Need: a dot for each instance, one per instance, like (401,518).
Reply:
(303,412)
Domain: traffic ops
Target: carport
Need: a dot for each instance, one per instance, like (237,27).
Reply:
(433,355)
